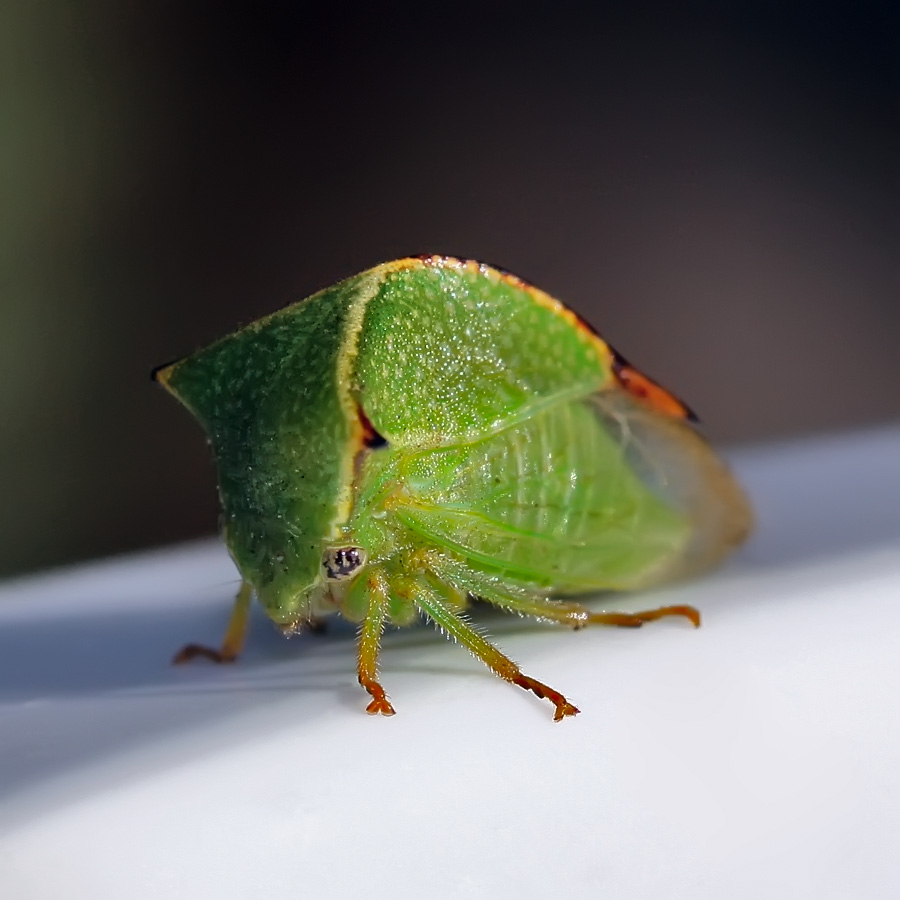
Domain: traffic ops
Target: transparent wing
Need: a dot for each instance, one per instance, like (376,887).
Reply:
(595,493)
(680,467)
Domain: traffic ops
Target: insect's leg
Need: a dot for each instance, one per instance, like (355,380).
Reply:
(522,602)
(577,616)
(369,640)
(636,619)
(456,627)
(234,634)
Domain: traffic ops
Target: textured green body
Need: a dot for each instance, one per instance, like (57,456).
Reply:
(268,399)
(463,430)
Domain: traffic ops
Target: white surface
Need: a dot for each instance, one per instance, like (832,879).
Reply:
(758,757)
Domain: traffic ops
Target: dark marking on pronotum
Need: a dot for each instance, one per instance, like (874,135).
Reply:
(371,439)
(639,385)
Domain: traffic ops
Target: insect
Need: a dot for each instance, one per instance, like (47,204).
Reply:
(435,430)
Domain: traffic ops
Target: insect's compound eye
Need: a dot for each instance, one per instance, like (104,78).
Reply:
(342,562)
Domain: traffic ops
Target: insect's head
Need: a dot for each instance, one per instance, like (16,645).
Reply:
(295,577)
(285,440)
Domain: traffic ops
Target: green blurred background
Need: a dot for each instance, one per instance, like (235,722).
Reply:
(715,189)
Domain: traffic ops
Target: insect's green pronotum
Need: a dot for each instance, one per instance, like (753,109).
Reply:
(435,430)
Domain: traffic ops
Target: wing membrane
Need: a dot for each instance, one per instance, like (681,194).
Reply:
(562,500)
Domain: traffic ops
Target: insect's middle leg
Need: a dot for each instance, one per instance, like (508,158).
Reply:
(369,645)
(442,614)
(234,634)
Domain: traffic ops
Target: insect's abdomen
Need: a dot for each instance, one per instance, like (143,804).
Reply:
(554,501)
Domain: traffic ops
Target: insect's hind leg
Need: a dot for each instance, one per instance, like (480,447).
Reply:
(437,608)
(235,634)
(577,616)
(563,612)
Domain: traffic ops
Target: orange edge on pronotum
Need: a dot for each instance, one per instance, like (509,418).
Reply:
(648,391)
(630,379)
(542,298)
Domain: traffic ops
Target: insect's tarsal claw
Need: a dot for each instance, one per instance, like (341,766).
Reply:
(563,710)
(381,706)
(689,613)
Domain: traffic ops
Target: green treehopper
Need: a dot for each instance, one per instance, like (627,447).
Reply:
(435,430)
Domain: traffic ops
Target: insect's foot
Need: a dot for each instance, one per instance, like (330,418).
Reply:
(636,619)
(380,704)
(564,709)
(545,692)
(193,651)
(687,612)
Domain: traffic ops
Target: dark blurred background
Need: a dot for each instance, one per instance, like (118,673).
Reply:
(716,189)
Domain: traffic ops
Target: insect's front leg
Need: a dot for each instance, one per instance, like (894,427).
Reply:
(235,634)
(369,645)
